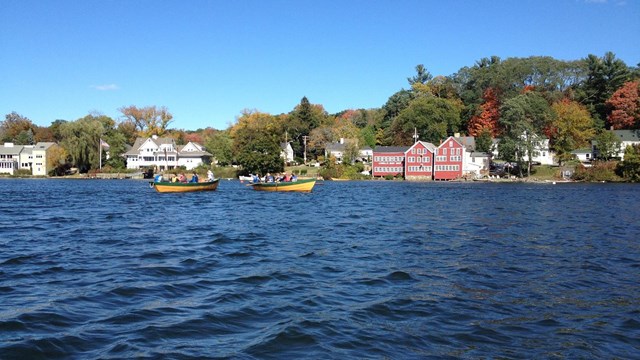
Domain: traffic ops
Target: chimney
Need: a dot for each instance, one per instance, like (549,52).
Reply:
(154,137)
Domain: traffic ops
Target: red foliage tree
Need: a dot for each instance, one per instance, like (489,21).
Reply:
(625,106)
(489,115)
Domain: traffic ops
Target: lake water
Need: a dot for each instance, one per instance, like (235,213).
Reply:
(112,269)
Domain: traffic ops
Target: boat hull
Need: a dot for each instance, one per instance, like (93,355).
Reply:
(305,185)
(168,187)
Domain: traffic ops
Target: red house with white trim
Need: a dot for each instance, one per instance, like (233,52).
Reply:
(388,160)
(448,160)
(418,163)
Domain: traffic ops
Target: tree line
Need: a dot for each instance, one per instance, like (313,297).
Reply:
(520,100)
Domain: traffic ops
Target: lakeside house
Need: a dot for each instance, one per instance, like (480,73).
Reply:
(626,137)
(163,154)
(337,150)
(286,152)
(25,157)
(423,161)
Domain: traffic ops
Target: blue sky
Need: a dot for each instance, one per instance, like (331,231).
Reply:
(207,61)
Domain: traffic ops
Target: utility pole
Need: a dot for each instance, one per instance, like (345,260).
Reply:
(304,140)
(415,135)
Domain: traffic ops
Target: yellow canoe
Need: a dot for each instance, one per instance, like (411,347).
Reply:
(302,185)
(169,187)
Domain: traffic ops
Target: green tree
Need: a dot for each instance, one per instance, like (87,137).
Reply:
(433,118)
(81,139)
(629,168)
(422,76)
(607,145)
(220,145)
(484,141)
(524,119)
(255,143)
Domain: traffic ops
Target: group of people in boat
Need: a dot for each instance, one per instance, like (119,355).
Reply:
(181,178)
(269,178)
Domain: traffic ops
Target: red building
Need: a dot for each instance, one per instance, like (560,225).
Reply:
(419,161)
(448,160)
(388,160)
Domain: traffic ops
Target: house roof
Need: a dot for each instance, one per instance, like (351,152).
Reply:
(390,149)
(468,142)
(429,146)
(628,135)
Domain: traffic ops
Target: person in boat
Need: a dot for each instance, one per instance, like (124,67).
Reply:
(294,177)
(269,178)
(194,178)
(158,178)
(286,177)
(182,178)
(209,175)
(256,178)
(174,178)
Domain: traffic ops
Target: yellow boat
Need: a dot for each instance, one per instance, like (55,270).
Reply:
(301,185)
(172,187)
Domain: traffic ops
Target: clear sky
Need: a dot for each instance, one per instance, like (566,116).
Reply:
(206,61)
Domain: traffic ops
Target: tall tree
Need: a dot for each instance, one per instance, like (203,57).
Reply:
(433,118)
(422,76)
(607,145)
(489,115)
(625,106)
(571,129)
(255,143)
(604,76)
(524,118)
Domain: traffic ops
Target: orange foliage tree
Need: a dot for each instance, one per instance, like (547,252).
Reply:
(625,106)
(489,115)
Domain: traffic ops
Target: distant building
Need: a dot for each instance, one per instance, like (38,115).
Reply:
(286,152)
(164,154)
(337,150)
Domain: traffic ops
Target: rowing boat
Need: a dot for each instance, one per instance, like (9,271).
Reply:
(172,187)
(300,185)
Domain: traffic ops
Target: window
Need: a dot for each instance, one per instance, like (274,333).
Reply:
(444,151)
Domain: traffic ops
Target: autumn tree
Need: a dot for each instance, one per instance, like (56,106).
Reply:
(489,115)
(625,106)
(572,128)
(57,159)
(17,129)
(604,76)
(148,120)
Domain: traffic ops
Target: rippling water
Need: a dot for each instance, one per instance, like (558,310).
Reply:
(112,269)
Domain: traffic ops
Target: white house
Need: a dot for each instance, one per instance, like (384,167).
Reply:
(164,154)
(626,137)
(543,155)
(286,152)
(28,157)
(365,154)
(473,162)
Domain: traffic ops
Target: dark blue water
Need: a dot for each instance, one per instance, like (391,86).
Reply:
(112,269)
